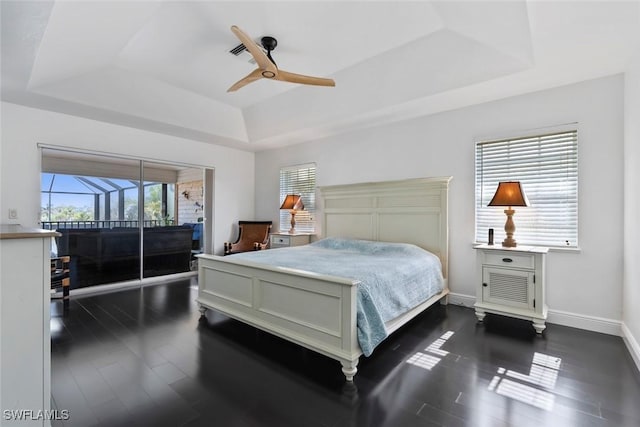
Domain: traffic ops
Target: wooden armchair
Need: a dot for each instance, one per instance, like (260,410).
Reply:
(252,236)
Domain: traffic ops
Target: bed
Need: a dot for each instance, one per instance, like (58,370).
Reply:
(318,310)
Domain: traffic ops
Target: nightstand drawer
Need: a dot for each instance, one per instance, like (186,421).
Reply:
(286,240)
(280,240)
(506,259)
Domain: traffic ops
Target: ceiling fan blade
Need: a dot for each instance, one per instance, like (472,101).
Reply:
(261,58)
(286,76)
(249,78)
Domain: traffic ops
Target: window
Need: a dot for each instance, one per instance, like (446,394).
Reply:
(547,167)
(300,179)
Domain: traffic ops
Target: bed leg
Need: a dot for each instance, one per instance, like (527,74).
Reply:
(349,368)
(203,310)
(444,300)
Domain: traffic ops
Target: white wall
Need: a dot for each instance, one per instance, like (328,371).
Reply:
(631,288)
(23,128)
(584,289)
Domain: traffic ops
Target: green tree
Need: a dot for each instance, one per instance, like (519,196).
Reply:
(153,202)
(67,213)
(152,205)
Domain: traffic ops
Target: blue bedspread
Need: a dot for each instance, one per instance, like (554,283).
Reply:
(395,277)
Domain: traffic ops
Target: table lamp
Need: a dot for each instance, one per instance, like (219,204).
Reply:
(509,194)
(293,203)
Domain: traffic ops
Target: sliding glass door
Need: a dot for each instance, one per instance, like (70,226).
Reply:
(173,206)
(123,219)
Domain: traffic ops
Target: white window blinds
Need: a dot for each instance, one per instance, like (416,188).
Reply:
(547,167)
(300,179)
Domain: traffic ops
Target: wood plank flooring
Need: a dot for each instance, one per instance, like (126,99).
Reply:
(143,358)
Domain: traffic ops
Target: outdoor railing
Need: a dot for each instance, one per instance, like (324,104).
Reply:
(56,225)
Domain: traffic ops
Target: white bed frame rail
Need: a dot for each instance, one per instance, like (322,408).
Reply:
(319,311)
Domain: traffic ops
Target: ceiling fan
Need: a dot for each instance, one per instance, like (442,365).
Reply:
(267,68)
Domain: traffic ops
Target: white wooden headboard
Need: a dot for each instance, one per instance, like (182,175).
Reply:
(408,211)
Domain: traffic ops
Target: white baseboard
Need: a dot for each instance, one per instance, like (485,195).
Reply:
(589,323)
(632,344)
(147,281)
(461,299)
(558,317)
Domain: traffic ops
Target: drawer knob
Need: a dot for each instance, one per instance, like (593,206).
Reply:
(485,285)
(507,260)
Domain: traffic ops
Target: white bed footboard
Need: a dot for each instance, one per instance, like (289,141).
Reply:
(312,310)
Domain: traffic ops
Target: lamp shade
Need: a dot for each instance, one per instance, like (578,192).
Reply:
(292,201)
(509,193)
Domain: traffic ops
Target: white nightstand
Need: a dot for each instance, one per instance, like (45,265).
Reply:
(285,240)
(511,282)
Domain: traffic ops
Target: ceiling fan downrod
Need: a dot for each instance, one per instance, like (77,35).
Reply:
(269,43)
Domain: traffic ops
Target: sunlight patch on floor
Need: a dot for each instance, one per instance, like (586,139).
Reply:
(428,361)
(534,389)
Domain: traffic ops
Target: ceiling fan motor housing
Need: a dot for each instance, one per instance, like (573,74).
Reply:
(269,43)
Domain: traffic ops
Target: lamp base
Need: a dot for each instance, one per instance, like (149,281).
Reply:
(509,228)
(509,243)
(293,221)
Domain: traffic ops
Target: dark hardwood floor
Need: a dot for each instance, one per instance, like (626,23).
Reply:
(143,358)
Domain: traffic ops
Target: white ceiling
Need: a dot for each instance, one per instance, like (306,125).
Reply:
(165,66)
